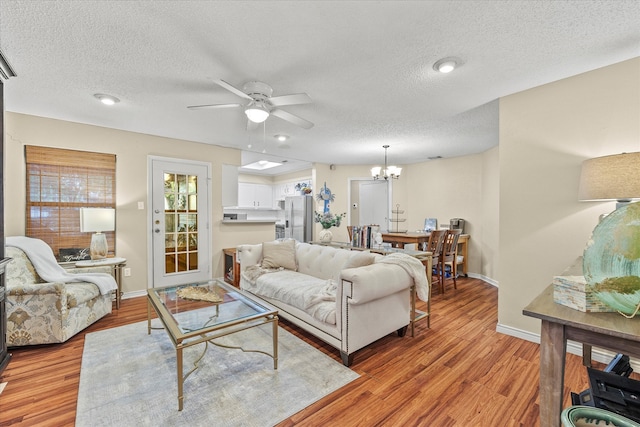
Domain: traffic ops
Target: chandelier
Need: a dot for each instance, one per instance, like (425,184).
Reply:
(392,172)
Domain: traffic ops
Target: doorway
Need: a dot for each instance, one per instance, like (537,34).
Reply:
(370,202)
(179,218)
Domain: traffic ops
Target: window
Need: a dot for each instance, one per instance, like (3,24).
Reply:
(59,183)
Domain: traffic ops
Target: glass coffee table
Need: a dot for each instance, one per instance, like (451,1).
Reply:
(201,312)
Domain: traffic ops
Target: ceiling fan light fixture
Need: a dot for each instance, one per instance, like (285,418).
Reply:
(257,112)
(281,138)
(446,65)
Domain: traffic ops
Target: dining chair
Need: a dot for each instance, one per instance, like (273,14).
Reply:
(434,245)
(449,257)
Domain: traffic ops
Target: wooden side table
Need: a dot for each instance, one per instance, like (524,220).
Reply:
(117,264)
(560,324)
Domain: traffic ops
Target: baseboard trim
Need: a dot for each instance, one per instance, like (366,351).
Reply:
(597,354)
(486,279)
(134,294)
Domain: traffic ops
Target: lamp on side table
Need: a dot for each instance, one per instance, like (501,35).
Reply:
(98,220)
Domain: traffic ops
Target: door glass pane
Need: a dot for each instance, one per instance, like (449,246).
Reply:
(169,223)
(180,192)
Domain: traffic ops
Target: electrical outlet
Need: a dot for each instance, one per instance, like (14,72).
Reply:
(127,272)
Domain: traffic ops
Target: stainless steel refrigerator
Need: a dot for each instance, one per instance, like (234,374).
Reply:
(298,216)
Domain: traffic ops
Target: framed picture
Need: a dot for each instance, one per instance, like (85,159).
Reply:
(74,254)
(430,224)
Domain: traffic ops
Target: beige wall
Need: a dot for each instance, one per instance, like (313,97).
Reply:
(545,134)
(131,150)
(445,189)
(457,197)
(485,248)
(464,187)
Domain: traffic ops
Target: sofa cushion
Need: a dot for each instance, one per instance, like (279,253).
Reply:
(317,297)
(79,293)
(20,271)
(279,254)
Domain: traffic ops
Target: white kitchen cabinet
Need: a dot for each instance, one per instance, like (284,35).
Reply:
(229,185)
(252,195)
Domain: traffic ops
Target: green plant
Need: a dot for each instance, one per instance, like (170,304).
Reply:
(328,220)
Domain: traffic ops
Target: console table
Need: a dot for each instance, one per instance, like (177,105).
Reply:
(559,324)
(401,239)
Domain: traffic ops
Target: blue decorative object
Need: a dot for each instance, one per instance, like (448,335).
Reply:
(325,196)
(611,262)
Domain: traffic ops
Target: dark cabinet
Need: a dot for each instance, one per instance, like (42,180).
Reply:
(5,73)
(231,267)
(4,353)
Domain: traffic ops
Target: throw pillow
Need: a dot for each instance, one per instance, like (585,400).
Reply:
(360,260)
(279,254)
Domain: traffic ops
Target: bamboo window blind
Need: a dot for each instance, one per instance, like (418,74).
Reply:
(59,183)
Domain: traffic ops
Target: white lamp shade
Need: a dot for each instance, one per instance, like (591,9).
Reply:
(256,114)
(614,177)
(394,171)
(375,171)
(97,219)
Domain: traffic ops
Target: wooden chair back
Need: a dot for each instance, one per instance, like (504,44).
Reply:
(448,257)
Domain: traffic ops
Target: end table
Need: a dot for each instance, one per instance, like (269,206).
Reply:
(116,263)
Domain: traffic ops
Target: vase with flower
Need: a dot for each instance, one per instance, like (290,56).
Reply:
(328,220)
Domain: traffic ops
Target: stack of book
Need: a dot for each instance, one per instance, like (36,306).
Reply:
(364,236)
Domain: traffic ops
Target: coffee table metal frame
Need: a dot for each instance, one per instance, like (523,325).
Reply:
(183,339)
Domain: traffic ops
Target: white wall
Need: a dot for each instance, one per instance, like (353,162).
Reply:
(545,134)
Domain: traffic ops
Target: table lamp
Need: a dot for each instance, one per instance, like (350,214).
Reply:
(97,220)
(615,177)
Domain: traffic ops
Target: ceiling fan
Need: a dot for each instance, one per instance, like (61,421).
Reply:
(261,104)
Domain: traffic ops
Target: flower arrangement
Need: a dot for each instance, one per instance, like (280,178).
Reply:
(304,188)
(328,220)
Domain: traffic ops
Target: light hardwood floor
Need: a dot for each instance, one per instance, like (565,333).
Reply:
(461,372)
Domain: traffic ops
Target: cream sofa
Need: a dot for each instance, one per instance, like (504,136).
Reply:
(44,313)
(348,299)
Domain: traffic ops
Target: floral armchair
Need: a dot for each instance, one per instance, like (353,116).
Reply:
(43,313)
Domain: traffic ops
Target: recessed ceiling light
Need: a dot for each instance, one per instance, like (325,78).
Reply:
(281,138)
(106,99)
(446,65)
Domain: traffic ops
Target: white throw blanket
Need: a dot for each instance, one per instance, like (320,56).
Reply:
(44,261)
(414,267)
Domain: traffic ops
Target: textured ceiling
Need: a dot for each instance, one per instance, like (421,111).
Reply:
(367,65)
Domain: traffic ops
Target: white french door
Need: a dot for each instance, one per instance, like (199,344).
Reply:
(179,215)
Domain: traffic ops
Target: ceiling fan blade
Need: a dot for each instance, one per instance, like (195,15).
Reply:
(232,89)
(196,107)
(292,118)
(296,98)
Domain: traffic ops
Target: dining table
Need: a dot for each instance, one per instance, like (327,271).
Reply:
(399,240)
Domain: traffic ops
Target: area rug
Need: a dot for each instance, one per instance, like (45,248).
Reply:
(128,378)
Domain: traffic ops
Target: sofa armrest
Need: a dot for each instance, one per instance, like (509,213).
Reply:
(374,281)
(249,255)
(35,289)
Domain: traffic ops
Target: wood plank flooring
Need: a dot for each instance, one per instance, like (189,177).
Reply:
(461,372)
